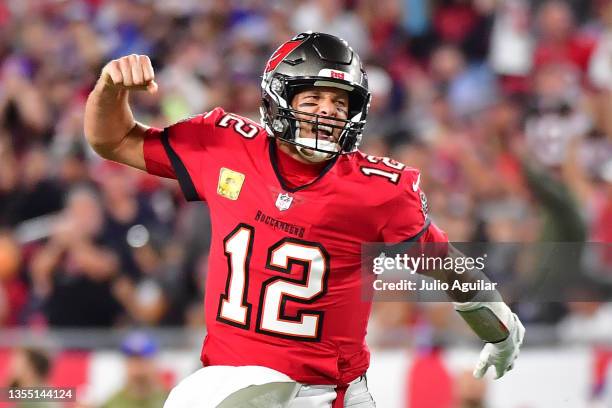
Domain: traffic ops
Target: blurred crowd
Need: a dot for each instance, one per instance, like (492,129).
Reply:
(504,105)
(143,384)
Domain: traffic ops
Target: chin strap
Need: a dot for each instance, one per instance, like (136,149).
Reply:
(305,147)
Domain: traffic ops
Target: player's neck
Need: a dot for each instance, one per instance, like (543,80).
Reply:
(289,151)
(295,169)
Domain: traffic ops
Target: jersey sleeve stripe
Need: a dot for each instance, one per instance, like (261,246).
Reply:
(420,233)
(187,186)
(403,246)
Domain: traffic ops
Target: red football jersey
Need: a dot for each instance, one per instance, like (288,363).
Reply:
(284,283)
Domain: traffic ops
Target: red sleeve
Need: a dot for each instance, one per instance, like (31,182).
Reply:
(179,151)
(408,216)
(156,160)
(433,234)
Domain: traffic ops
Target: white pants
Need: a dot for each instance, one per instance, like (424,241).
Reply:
(259,387)
(322,396)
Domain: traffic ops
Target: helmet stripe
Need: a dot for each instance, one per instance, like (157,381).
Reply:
(281,53)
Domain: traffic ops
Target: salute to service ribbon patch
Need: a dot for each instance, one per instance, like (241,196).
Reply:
(230,183)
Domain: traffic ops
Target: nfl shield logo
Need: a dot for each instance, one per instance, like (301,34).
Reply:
(283,201)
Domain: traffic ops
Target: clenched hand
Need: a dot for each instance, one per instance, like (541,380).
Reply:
(132,72)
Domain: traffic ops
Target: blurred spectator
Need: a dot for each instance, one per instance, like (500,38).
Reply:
(600,65)
(73,272)
(557,115)
(590,322)
(23,109)
(9,179)
(511,41)
(469,88)
(559,40)
(383,21)
(125,215)
(383,122)
(595,192)
(73,169)
(142,388)
(184,92)
(429,382)
(30,368)
(603,215)
(416,16)
(158,296)
(13,291)
(331,17)
(469,392)
(36,193)
(454,20)
(587,170)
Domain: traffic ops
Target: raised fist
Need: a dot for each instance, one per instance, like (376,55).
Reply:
(133,72)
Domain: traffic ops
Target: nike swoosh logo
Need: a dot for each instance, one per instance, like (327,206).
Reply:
(415,185)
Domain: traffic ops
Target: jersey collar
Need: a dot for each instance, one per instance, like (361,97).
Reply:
(293,165)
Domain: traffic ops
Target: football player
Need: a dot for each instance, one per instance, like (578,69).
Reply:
(291,202)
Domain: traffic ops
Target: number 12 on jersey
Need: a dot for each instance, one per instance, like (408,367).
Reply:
(282,257)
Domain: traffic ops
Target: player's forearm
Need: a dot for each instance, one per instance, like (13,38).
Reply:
(483,310)
(108,118)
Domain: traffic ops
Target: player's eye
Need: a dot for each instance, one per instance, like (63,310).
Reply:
(309,100)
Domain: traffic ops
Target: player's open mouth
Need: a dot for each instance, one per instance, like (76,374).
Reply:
(324,132)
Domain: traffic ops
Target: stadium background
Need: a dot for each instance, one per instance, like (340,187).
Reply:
(505,106)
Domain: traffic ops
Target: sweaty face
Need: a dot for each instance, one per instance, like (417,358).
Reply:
(323,101)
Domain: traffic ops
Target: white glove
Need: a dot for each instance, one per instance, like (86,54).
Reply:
(501,355)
